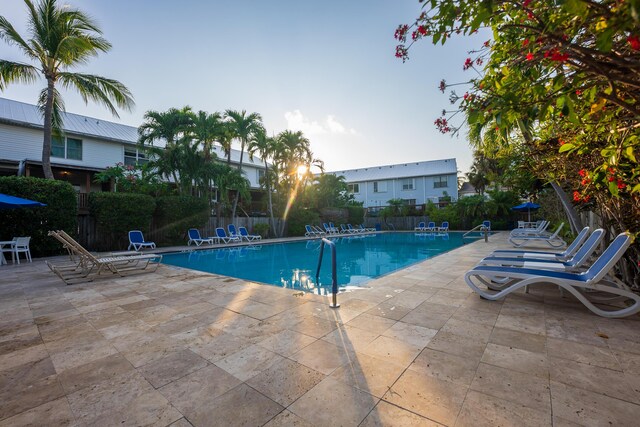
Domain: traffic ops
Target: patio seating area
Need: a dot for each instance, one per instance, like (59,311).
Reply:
(417,348)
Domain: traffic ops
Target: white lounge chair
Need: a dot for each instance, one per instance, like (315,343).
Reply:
(222,236)
(194,237)
(573,264)
(553,240)
(501,281)
(444,226)
(137,242)
(244,234)
(539,230)
(557,256)
(430,227)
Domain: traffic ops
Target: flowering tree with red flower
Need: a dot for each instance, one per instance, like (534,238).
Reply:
(560,81)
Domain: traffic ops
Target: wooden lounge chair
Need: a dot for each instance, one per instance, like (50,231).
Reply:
(86,266)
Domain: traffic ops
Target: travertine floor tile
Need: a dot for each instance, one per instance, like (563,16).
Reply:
(480,410)
(287,419)
(386,414)
(583,353)
(248,362)
(350,338)
(411,334)
(172,367)
(444,366)
(389,311)
(54,413)
(285,381)
(286,342)
(369,374)
(332,403)
(516,360)
(430,397)
(522,340)
(516,387)
(458,345)
(323,356)
(102,369)
(591,409)
(392,350)
(371,323)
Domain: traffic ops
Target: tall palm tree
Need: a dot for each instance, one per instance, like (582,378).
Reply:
(60,38)
(244,127)
(266,147)
(207,128)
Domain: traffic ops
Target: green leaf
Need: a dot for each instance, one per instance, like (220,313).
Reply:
(566,147)
(636,188)
(613,188)
(630,155)
(576,7)
(604,40)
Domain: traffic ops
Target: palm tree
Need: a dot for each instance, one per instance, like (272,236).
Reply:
(169,127)
(60,38)
(266,148)
(244,126)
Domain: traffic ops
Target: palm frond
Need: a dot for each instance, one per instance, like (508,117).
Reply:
(9,34)
(11,72)
(99,89)
(57,109)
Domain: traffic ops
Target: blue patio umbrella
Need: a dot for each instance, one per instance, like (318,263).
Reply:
(13,202)
(528,206)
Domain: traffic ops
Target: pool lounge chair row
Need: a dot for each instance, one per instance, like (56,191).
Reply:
(508,270)
(234,236)
(431,227)
(84,266)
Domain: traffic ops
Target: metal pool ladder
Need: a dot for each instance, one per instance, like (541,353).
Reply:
(334,279)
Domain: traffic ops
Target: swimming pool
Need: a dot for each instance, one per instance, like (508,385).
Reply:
(359,259)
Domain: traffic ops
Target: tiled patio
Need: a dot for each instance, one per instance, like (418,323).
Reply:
(181,348)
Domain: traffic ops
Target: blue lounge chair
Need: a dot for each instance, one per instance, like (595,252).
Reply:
(556,256)
(353,230)
(194,237)
(233,231)
(485,226)
(137,242)
(318,230)
(431,226)
(553,240)
(222,236)
(572,264)
(504,280)
(310,231)
(444,226)
(420,226)
(244,234)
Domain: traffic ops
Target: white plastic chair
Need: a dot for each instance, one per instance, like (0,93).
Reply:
(21,245)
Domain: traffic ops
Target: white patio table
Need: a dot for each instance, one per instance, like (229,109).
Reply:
(3,244)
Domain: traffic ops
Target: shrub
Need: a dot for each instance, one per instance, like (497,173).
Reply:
(117,213)
(59,214)
(261,228)
(298,218)
(174,215)
(356,214)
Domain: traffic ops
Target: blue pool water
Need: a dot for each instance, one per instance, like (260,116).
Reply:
(293,265)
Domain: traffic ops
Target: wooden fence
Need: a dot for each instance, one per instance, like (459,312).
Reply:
(89,237)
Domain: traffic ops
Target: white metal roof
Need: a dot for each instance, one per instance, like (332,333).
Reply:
(28,115)
(402,170)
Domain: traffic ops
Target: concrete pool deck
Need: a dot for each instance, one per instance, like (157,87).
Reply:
(179,347)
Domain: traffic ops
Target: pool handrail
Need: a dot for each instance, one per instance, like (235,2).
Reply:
(334,277)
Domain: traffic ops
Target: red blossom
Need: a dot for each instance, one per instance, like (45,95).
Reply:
(529,56)
(582,172)
(468,63)
(401,32)
(621,184)
(578,92)
(401,52)
(561,142)
(487,43)
(525,42)
(443,85)
(525,3)
(634,42)
(479,61)
(442,125)
(530,16)
(576,196)
(422,29)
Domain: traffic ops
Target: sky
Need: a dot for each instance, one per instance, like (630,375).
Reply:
(326,68)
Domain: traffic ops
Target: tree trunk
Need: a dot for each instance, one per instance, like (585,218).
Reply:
(48,125)
(268,187)
(235,200)
(574,220)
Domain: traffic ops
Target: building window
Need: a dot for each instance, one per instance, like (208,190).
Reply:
(440,182)
(408,184)
(379,186)
(66,148)
(410,202)
(133,156)
(261,174)
(354,188)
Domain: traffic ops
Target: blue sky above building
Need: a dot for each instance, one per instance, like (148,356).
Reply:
(326,68)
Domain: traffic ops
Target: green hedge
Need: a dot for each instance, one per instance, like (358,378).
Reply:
(356,214)
(176,214)
(59,214)
(298,218)
(117,213)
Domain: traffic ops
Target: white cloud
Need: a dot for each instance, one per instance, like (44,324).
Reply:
(297,121)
